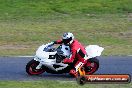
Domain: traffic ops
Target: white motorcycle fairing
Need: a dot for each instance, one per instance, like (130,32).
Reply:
(48,59)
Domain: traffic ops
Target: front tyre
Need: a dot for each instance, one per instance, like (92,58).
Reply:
(31,68)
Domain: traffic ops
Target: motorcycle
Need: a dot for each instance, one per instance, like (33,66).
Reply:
(49,59)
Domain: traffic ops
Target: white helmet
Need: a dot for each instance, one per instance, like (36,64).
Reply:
(67,38)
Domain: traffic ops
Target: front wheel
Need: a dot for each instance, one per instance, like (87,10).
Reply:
(91,66)
(31,68)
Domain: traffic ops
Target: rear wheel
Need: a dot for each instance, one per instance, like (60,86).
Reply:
(92,66)
(31,68)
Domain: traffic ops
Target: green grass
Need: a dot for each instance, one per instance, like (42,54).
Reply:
(57,84)
(26,24)
(109,31)
(30,9)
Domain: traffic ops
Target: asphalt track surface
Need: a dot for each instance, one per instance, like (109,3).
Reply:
(13,68)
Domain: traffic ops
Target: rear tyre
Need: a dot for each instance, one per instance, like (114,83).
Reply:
(31,68)
(92,66)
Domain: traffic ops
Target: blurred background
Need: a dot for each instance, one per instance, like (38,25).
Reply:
(27,24)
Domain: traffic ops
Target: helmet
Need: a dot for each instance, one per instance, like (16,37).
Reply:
(67,38)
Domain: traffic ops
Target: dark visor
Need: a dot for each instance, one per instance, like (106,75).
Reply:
(66,41)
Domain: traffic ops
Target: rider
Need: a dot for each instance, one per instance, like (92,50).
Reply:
(77,52)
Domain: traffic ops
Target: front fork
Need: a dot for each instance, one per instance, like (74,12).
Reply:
(39,66)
